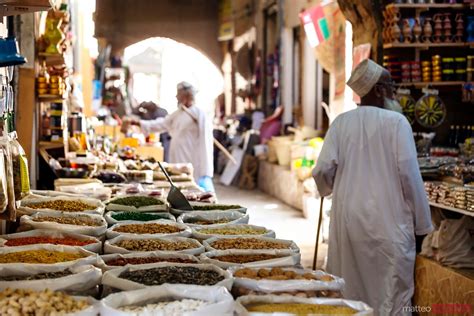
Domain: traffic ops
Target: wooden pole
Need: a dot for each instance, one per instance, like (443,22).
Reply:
(320,220)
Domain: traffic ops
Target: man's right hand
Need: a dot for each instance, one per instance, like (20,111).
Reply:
(127,122)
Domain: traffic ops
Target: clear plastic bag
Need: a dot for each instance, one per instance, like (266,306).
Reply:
(10,214)
(3,182)
(21,178)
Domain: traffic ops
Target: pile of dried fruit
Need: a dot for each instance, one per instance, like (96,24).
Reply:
(247,243)
(278,274)
(47,240)
(39,256)
(69,220)
(46,302)
(301,309)
(173,275)
(145,260)
(237,230)
(157,244)
(135,216)
(216,207)
(150,228)
(245,258)
(137,201)
(63,205)
(38,276)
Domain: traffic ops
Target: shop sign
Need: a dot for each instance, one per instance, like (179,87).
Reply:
(315,25)
(226,21)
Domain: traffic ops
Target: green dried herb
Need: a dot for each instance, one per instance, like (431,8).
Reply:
(137,201)
(142,217)
(213,207)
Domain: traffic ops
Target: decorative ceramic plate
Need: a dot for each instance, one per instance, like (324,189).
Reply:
(430,111)
(408,106)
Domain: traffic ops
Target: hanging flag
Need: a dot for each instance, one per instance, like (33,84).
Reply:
(315,25)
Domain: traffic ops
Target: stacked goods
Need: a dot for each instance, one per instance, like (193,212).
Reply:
(431,189)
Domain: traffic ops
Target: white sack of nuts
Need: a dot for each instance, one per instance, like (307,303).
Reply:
(115,245)
(207,218)
(181,229)
(282,258)
(28,207)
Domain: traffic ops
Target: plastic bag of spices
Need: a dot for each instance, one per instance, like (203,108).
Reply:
(3,183)
(10,196)
(21,178)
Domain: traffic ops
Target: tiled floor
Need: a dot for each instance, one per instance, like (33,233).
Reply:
(287,222)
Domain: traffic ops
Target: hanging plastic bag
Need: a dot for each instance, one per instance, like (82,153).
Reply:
(11,202)
(21,177)
(3,183)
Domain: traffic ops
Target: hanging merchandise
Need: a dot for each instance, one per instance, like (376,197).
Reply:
(10,197)
(315,25)
(9,53)
(407,103)
(430,110)
(21,180)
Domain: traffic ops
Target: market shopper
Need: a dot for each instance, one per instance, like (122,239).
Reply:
(369,164)
(191,135)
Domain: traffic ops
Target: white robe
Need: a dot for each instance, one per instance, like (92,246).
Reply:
(369,163)
(191,141)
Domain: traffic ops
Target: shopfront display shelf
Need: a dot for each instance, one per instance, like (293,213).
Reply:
(424,45)
(452,209)
(437,84)
(427,6)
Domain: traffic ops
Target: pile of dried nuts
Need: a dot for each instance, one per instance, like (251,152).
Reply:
(69,220)
(168,308)
(173,275)
(28,302)
(39,256)
(38,276)
(145,260)
(245,258)
(157,244)
(278,274)
(47,240)
(236,230)
(247,243)
(300,309)
(63,205)
(150,228)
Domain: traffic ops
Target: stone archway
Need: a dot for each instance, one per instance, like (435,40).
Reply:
(192,22)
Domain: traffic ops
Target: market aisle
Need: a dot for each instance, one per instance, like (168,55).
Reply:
(287,222)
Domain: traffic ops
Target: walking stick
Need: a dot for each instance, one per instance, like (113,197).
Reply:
(320,220)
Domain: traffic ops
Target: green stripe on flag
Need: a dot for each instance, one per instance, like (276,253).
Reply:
(323,26)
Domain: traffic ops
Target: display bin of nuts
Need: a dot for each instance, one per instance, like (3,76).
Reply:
(137,203)
(281,281)
(125,244)
(170,299)
(46,302)
(138,277)
(251,258)
(199,206)
(149,229)
(206,218)
(291,305)
(245,243)
(39,256)
(125,217)
(118,260)
(85,224)
(79,280)
(203,233)
(61,204)
(45,236)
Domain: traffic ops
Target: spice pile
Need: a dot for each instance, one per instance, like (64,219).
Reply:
(38,276)
(237,230)
(39,256)
(277,274)
(173,275)
(245,258)
(170,308)
(142,217)
(202,221)
(145,260)
(216,207)
(28,302)
(157,244)
(301,309)
(247,243)
(152,228)
(76,220)
(63,205)
(47,240)
(137,201)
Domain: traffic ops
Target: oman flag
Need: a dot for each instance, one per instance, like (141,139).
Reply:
(315,25)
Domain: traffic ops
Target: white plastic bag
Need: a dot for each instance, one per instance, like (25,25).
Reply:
(231,217)
(221,302)
(95,246)
(90,258)
(287,258)
(26,209)
(111,206)
(185,231)
(197,231)
(151,254)
(112,280)
(83,279)
(456,242)
(111,221)
(269,286)
(178,212)
(28,222)
(93,190)
(110,246)
(288,244)
(361,308)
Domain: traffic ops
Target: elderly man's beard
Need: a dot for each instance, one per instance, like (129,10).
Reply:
(392,105)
